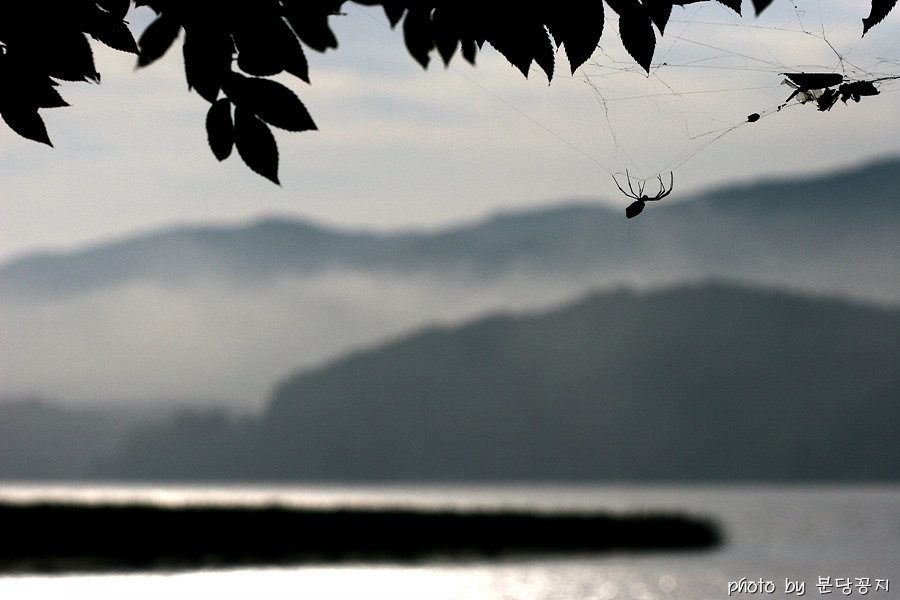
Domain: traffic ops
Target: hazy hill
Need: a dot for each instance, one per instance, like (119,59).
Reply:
(582,237)
(222,312)
(712,382)
(42,440)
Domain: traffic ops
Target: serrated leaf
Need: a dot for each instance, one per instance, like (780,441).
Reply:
(73,59)
(111,30)
(542,47)
(522,42)
(577,32)
(659,11)
(157,39)
(295,61)
(880,9)
(207,60)
(220,129)
(25,121)
(635,30)
(270,101)
(734,5)
(48,97)
(255,144)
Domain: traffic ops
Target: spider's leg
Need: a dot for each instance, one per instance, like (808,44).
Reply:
(636,194)
(620,187)
(659,193)
(663,192)
(662,188)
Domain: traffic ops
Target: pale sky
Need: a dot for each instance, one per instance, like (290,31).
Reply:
(399,147)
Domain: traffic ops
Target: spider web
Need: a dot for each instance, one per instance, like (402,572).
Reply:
(713,69)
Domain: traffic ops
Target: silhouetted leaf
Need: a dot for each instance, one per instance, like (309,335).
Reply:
(636,30)
(33,91)
(418,35)
(734,5)
(880,9)
(268,46)
(578,32)
(270,101)
(469,50)
(25,121)
(207,59)
(116,8)
(659,11)
(157,39)
(73,59)
(256,56)
(48,97)
(446,33)
(543,50)
(256,144)
(294,58)
(111,30)
(220,128)
(760,5)
(393,11)
(310,23)
(522,42)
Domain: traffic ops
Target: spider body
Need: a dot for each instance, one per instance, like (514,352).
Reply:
(640,198)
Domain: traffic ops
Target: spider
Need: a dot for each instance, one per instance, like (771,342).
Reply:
(640,199)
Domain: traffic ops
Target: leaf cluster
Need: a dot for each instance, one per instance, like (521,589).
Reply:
(231,50)
(42,43)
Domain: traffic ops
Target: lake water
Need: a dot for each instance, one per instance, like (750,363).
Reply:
(781,542)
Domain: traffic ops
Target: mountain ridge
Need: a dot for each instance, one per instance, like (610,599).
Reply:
(698,382)
(565,236)
(222,311)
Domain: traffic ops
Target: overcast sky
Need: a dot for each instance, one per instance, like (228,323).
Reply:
(400,147)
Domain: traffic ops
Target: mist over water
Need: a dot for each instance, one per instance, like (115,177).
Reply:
(222,315)
(212,339)
(224,343)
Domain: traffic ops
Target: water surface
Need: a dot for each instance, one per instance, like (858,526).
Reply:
(780,536)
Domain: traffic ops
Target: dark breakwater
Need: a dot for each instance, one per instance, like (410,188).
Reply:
(52,537)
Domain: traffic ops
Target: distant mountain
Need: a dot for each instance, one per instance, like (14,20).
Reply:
(41,440)
(203,311)
(706,382)
(721,232)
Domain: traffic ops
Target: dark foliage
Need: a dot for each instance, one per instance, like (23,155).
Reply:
(230,49)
